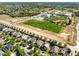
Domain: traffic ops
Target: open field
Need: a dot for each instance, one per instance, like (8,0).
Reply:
(44,25)
(8,18)
(31,29)
(49,22)
(18,23)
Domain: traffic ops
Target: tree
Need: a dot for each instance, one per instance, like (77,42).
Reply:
(70,10)
(36,51)
(77,54)
(1,45)
(53,43)
(12,41)
(7,39)
(65,45)
(69,51)
(59,44)
(24,43)
(19,50)
(77,13)
(7,53)
(18,39)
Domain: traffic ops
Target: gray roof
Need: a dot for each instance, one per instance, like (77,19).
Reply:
(33,40)
(55,49)
(16,33)
(1,53)
(8,47)
(8,30)
(64,51)
(2,27)
(47,45)
(26,37)
(40,43)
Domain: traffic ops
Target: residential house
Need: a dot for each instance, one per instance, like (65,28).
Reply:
(39,43)
(2,27)
(57,11)
(15,33)
(47,45)
(64,51)
(45,15)
(33,40)
(8,47)
(29,48)
(42,16)
(8,30)
(55,49)
(43,48)
(26,37)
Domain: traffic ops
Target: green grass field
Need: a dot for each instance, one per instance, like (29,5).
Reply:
(44,25)
(56,18)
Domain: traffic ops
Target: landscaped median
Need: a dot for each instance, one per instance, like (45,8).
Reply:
(45,25)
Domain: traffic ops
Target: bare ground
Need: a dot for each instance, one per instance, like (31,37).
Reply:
(17,22)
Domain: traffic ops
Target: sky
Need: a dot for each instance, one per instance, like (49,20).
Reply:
(39,0)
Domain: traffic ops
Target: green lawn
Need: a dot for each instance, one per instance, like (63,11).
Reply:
(44,25)
(56,18)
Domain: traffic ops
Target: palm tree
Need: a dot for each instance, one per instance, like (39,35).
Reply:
(1,45)
(33,34)
(59,44)
(12,41)
(53,43)
(27,32)
(40,36)
(24,43)
(44,39)
(19,50)
(30,33)
(36,51)
(69,51)
(65,45)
